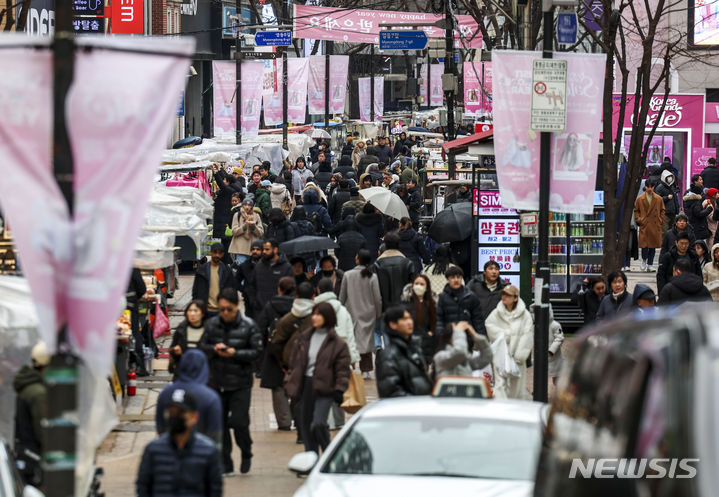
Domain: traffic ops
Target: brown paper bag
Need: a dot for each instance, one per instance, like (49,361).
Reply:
(355,397)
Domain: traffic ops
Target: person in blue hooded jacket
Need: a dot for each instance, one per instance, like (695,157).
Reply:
(193,373)
(316,212)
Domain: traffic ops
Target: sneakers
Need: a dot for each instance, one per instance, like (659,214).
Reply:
(245,466)
(366,375)
(643,266)
(650,269)
(284,428)
(229,474)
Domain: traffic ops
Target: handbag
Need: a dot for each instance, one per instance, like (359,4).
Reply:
(161,326)
(228,231)
(355,397)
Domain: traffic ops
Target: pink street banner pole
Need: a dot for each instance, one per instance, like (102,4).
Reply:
(472,89)
(339,68)
(364,87)
(252,86)
(316,85)
(272,93)
(363,26)
(700,158)
(435,85)
(423,86)
(78,267)
(487,93)
(223,98)
(378,98)
(297,76)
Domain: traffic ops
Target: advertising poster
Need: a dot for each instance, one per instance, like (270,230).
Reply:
(365,97)
(700,158)
(472,90)
(272,92)
(252,86)
(223,103)
(316,85)
(706,22)
(435,85)
(339,67)
(487,93)
(297,76)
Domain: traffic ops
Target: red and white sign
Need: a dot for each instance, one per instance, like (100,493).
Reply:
(504,256)
(482,127)
(127,17)
(498,231)
(491,205)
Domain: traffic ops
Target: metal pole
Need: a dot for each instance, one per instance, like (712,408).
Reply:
(541,332)
(329,45)
(429,78)
(371,83)
(475,206)
(285,144)
(449,69)
(60,425)
(238,76)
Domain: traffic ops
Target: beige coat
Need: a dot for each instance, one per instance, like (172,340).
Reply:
(242,235)
(649,218)
(710,275)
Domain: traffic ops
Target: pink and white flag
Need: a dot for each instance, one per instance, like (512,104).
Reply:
(118,123)
(339,67)
(224,84)
(472,87)
(297,75)
(436,97)
(252,86)
(487,93)
(316,85)
(272,92)
(365,97)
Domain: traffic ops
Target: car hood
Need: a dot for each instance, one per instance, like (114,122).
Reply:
(335,485)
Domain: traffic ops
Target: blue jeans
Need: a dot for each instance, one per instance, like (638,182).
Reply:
(240,258)
(380,337)
(648,255)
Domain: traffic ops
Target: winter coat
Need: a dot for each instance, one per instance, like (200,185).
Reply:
(666,187)
(649,218)
(165,471)
(267,322)
(456,359)
(179,338)
(518,330)
(192,376)
(670,239)
(412,246)
(685,287)
(415,203)
(288,330)
(371,227)
(31,409)
(401,370)
(350,242)
(243,235)
(711,177)
(243,281)
(357,155)
(458,305)
(344,170)
(312,185)
(337,200)
(488,299)
(223,203)
(316,213)
(710,276)
(282,232)
(265,279)
(332,367)
(345,326)
(339,274)
(201,285)
(383,153)
(665,271)
(589,303)
(609,307)
(280,198)
(262,200)
(232,373)
(425,328)
(394,271)
(363,300)
(438,281)
(323,175)
(697,213)
(300,177)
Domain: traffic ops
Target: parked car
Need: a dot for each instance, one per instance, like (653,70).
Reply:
(11,484)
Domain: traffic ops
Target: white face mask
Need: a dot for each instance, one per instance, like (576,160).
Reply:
(419,289)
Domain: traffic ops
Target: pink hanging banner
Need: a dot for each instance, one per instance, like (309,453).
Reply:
(472,88)
(423,85)
(272,93)
(363,26)
(339,67)
(435,85)
(223,98)
(78,266)
(316,85)
(365,97)
(700,158)
(487,84)
(297,75)
(252,86)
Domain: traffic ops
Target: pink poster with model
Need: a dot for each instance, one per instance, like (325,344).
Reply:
(78,266)
(223,101)
(365,97)
(435,85)
(252,86)
(272,93)
(700,158)
(339,67)
(316,85)
(298,71)
(472,89)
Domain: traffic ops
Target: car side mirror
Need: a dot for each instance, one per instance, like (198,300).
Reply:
(303,463)
(30,491)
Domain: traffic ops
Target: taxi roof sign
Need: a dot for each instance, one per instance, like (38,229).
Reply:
(462,387)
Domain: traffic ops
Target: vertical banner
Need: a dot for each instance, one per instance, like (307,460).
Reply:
(378,98)
(364,87)
(316,85)
(223,101)
(252,86)
(700,158)
(339,67)
(78,265)
(297,75)
(423,85)
(487,85)
(272,92)
(435,85)
(472,88)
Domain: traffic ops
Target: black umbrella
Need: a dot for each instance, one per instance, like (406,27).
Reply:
(418,129)
(307,244)
(453,224)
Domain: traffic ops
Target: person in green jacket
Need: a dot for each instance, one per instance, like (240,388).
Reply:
(262,199)
(31,410)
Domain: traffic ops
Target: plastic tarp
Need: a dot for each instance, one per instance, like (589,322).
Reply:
(18,334)
(155,250)
(180,210)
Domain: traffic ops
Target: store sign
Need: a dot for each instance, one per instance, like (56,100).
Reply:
(712,112)
(498,231)
(700,158)
(88,7)
(127,17)
(680,111)
(88,25)
(504,256)
(40,18)
(490,204)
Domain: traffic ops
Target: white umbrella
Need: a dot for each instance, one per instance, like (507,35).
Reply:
(385,201)
(316,133)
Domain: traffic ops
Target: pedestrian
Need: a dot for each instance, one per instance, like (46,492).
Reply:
(421,302)
(357,154)
(247,227)
(382,150)
(370,224)
(700,247)
(266,172)
(710,174)
(365,181)
(410,177)
(713,219)
(281,198)
(188,333)
(458,303)
(267,274)
(619,300)
(556,338)
(262,198)
(681,250)
(697,208)
(487,287)
(136,289)
(300,223)
(223,203)
(279,228)
(462,194)
(328,269)
(350,243)
(323,174)
(272,374)
(394,271)
(291,324)
(30,411)
(710,274)
(667,189)
(644,297)
(435,271)
(681,225)
(412,245)
(319,374)
(649,216)
(317,214)
(300,176)
(685,286)
(415,202)
(348,147)
(399,144)
(244,276)
(337,200)
(345,166)
(193,373)
(321,160)
(511,320)
(182,461)
(255,182)
(589,297)
(360,294)
(211,279)
(233,344)
(389,182)
(455,353)
(401,370)
(299,268)
(333,184)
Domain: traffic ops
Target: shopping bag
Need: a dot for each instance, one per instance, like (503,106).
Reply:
(355,397)
(228,231)
(162,324)
(504,364)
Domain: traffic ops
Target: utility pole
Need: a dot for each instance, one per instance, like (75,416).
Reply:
(329,46)
(449,69)
(238,75)
(285,20)
(429,78)
(60,425)
(371,82)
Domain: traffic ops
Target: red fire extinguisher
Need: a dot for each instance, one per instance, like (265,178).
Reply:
(131,383)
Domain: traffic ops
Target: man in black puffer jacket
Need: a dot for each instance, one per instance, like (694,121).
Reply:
(345,166)
(458,303)
(279,227)
(233,343)
(394,271)
(487,287)
(684,287)
(412,245)
(697,209)
(338,199)
(267,274)
(401,370)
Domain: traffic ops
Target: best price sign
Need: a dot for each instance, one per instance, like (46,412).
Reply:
(504,256)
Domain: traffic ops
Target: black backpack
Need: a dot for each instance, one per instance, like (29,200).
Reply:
(316,222)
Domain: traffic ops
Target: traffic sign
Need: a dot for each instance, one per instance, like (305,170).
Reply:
(549,95)
(567,28)
(273,38)
(402,40)
(256,55)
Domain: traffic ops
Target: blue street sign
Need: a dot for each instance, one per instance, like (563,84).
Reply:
(273,38)
(567,28)
(402,40)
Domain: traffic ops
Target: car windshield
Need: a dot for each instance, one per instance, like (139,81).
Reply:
(439,446)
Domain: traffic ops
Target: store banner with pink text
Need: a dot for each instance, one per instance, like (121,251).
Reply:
(700,158)
(487,84)
(472,87)
(365,97)
(78,265)
(298,71)
(574,151)
(252,86)
(223,98)
(272,92)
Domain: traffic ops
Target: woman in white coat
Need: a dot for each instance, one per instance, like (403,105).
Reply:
(512,319)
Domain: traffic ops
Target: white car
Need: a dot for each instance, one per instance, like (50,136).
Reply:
(427,446)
